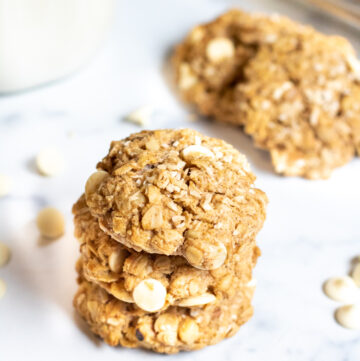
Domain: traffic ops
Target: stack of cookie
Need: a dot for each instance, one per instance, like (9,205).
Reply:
(167,228)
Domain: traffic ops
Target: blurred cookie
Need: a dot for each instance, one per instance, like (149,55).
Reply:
(294,90)
(177,192)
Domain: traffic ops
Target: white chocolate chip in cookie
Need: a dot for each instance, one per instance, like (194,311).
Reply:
(2,288)
(51,223)
(5,185)
(219,49)
(196,151)
(197,34)
(213,258)
(94,181)
(152,218)
(117,259)
(150,295)
(4,254)
(187,77)
(50,162)
(188,331)
(341,289)
(200,300)
(355,274)
(349,316)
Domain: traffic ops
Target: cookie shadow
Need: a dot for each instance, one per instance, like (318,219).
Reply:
(85,329)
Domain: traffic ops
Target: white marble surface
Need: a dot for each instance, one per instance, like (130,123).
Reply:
(311,233)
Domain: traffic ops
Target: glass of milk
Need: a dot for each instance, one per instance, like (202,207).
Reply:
(43,40)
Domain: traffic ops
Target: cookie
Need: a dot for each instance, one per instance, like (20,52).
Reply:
(177,193)
(170,331)
(121,270)
(295,91)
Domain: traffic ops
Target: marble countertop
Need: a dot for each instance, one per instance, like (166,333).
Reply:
(312,231)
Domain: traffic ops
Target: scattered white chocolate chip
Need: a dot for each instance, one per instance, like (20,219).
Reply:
(187,77)
(4,254)
(51,223)
(2,288)
(356,274)
(219,49)
(5,185)
(348,316)
(196,151)
(341,289)
(200,300)
(140,116)
(150,295)
(94,181)
(50,162)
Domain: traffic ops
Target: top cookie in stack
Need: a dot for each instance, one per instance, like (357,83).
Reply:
(294,90)
(167,228)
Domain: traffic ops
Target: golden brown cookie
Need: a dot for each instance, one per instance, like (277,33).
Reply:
(177,192)
(120,270)
(170,331)
(294,90)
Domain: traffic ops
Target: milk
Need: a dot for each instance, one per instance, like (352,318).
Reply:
(43,40)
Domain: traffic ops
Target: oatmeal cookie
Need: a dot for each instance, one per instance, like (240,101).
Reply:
(177,192)
(170,331)
(119,270)
(294,90)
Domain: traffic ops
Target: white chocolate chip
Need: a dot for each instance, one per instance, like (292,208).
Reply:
(197,34)
(356,274)
(219,49)
(50,162)
(187,77)
(94,181)
(4,254)
(2,288)
(117,259)
(51,223)
(349,316)
(5,185)
(341,289)
(150,295)
(196,151)
(140,116)
(281,90)
(200,300)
